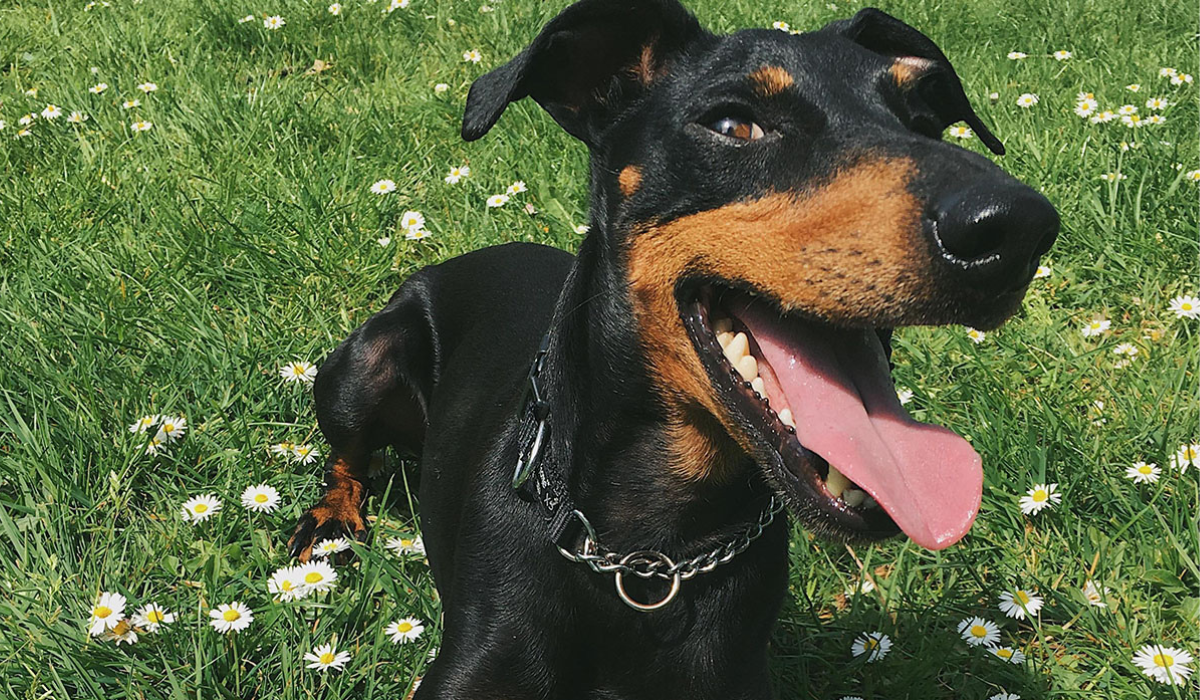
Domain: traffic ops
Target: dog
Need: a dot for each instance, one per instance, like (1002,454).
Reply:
(612,443)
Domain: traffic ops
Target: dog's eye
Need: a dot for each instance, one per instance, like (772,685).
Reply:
(737,128)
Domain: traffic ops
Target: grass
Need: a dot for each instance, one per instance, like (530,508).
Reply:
(173,271)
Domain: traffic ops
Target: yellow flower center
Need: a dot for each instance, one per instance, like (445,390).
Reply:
(102,611)
(405,542)
(231,615)
(313,577)
(327,658)
(200,507)
(1144,469)
(1186,306)
(978,631)
(1040,495)
(260,498)
(404,627)
(297,369)
(1022,596)
(870,644)
(1164,660)
(168,427)
(1189,453)
(285,586)
(154,617)
(1004,653)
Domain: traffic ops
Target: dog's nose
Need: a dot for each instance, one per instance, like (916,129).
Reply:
(994,235)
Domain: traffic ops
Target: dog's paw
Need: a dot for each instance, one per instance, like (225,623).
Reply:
(322,523)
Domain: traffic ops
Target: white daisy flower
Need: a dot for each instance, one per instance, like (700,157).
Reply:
(1104,117)
(51,112)
(299,372)
(1154,119)
(287,584)
(1181,78)
(305,454)
(417,235)
(260,499)
(151,617)
(98,88)
(383,187)
(1017,55)
(1126,349)
(326,547)
(123,633)
(1027,100)
(472,56)
(405,630)
(1086,107)
(200,508)
(173,427)
(106,613)
(283,448)
(497,200)
(582,229)
(1157,103)
(781,26)
(247,18)
(384,242)
(130,104)
(1164,664)
(1017,603)
(230,617)
(1005,696)
(140,126)
(1095,327)
(1125,110)
(1186,456)
(317,576)
(326,658)
(1193,175)
(1185,306)
(977,631)
(1132,121)
(27,119)
(961,132)
(404,546)
(875,644)
(22,133)
(412,221)
(143,424)
(1134,87)
(1143,473)
(441,88)
(976,336)
(516,188)
(157,444)
(1114,177)
(1062,55)
(457,174)
(905,395)
(1043,272)
(1039,497)
(335,9)
(76,118)
(148,87)
(1012,656)
(274,22)
(1094,594)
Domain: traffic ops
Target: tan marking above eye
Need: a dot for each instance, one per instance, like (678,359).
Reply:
(771,80)
(906,70)
(629,180)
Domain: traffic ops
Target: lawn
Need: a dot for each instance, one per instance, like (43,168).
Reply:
(175,268)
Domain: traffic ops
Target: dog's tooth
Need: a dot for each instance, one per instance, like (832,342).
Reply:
(785,417)
(836,482)
(854,497)
(722,325)
(759,387)
(723,338)
(747,367)
(737,348)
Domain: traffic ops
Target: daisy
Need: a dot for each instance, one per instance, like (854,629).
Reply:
(1061,55)
(457,174)
(961,132)
(1185,306)
(1104,117)
(1155,119)
(441,88)
(1157,103)
(200,508)
(326,547)
(283,448)
(1017,55)
(402,546)
(876,644)
(472,56)
(1027,100)
(396,5)
(1094,595)
(1132,121)
(384,242)
(31,92)
(98,88)
(22,133)
(335,9)
(27,119)
(51,112)
(173,427)
(1086,107)
(106,613)
(123,632)
(1133,87)
(1186,456)
(1126,349)
(383,187)
(77,118)
(274,22)
(1043,271)
(497,200)
(130,104)
(781,26)
(412,221)
(1167,72)
(1009,654)
(326,657)
(143,424)
(1039,497)
(305,454)
(316,576)
(1114,177)
(261,498)
(1164,664)
(1016,603)
(1005,696)
(417,235)
(976,336)
(148,87)
(905,395)
(1095,327)
(157,444)
(138,127)
(151,617)
(582,229)
(1193,175)
(1181,78)
(298,371)
(1125,110)
(977,631)
(287,584)
(405,630)
(516,188)
(230,617)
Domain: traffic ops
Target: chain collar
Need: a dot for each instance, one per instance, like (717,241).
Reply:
(535,480)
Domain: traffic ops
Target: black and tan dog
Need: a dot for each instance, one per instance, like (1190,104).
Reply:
(765,208)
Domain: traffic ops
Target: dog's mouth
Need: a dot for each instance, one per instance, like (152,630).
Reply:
(817,405)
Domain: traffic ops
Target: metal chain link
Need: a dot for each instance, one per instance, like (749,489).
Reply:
(604,561)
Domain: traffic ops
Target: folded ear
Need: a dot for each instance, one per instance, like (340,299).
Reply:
(935,79)
(586,65)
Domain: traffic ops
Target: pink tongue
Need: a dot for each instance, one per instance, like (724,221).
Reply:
(837,384)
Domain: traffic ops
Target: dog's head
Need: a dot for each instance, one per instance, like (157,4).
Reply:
(778,203)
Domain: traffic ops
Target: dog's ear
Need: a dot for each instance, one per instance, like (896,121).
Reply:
(586,65)
(935,79)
